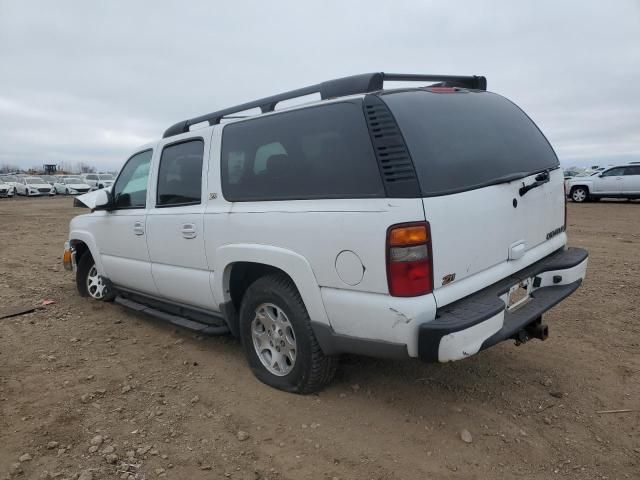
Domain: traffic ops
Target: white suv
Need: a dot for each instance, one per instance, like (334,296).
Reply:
(99,180)
(425,222)
(622,181)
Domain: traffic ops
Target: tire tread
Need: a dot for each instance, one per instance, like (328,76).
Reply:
(323,367)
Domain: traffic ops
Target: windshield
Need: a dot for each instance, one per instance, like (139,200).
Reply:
(73,180)
(35,181)
(465,140)
(9,178)
(106,176)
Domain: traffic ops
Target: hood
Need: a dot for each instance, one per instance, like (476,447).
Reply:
(78,185)
(86,200)
(38,185)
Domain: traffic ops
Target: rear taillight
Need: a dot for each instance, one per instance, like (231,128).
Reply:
(409,265)
(565,205)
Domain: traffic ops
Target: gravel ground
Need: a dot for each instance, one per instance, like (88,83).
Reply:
(89,390)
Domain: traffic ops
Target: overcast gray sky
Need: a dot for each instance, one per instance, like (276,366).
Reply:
(90,81)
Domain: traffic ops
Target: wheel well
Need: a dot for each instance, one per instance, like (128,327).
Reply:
(241,276)
(573,187)
(81,248)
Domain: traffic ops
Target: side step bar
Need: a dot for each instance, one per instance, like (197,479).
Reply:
(199,327)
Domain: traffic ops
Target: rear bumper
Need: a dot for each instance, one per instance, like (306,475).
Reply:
(481,320)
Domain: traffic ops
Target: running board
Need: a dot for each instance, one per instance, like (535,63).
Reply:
(199,327)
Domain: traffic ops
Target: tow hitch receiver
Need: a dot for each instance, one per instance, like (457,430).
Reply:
(535,329)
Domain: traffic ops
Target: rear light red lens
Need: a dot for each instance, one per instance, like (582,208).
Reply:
(409,264)
(565,206)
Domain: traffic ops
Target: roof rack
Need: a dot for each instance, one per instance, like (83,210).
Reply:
(340,87)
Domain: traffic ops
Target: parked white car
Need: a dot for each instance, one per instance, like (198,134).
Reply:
(99,180)
(33,187)
(6,190)
(72,186)
(622,181)
(50,179)
(11,180)
(425,222)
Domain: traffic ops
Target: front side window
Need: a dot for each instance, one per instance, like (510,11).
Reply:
(614,172)
(180,174)
(130,190)
(311,153)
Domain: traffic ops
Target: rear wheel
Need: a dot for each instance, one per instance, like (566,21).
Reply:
(579,194)
(89,282)
(277,338)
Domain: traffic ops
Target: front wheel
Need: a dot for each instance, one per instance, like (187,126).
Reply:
(579,194)
(89,282)
(277,338)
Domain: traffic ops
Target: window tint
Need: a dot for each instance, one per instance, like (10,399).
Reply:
(614,172)
(130,190)
(180,174)
(632,171)
(466,140)
(317,152)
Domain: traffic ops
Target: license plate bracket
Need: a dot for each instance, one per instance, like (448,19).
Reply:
(519,295)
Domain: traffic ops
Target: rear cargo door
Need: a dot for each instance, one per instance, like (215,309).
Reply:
(492,190)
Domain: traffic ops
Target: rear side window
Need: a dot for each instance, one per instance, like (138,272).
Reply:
(466,140)
(317,152)
(180,174)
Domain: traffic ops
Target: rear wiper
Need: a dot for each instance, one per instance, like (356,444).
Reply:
(541,179)
(510,177)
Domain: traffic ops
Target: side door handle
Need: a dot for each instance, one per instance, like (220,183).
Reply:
(138,227)
(189,230)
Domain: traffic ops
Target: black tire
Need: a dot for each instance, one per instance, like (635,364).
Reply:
(579,194)
(312,369)
(85,264)
(66,191)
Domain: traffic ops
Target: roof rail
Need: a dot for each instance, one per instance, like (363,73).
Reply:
(340,87)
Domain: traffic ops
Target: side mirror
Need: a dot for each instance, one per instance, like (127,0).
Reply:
(104,200)
(600,175)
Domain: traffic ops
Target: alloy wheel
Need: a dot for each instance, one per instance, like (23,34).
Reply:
(95,286)
(273,339)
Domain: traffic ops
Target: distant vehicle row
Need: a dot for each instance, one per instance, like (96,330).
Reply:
(32,186)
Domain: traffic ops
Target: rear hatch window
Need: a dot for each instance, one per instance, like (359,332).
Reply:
(466,140)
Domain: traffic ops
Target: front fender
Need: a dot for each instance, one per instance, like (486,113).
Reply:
(293,264)
(77,235)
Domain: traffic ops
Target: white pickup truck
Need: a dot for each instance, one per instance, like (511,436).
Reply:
(416,222)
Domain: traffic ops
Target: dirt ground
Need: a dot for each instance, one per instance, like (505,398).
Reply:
(92,391)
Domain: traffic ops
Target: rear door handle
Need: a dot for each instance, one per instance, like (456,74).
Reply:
(189,230)
(138,227)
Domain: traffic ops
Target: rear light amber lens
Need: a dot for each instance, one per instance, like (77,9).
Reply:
(409,265)
(410,235)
